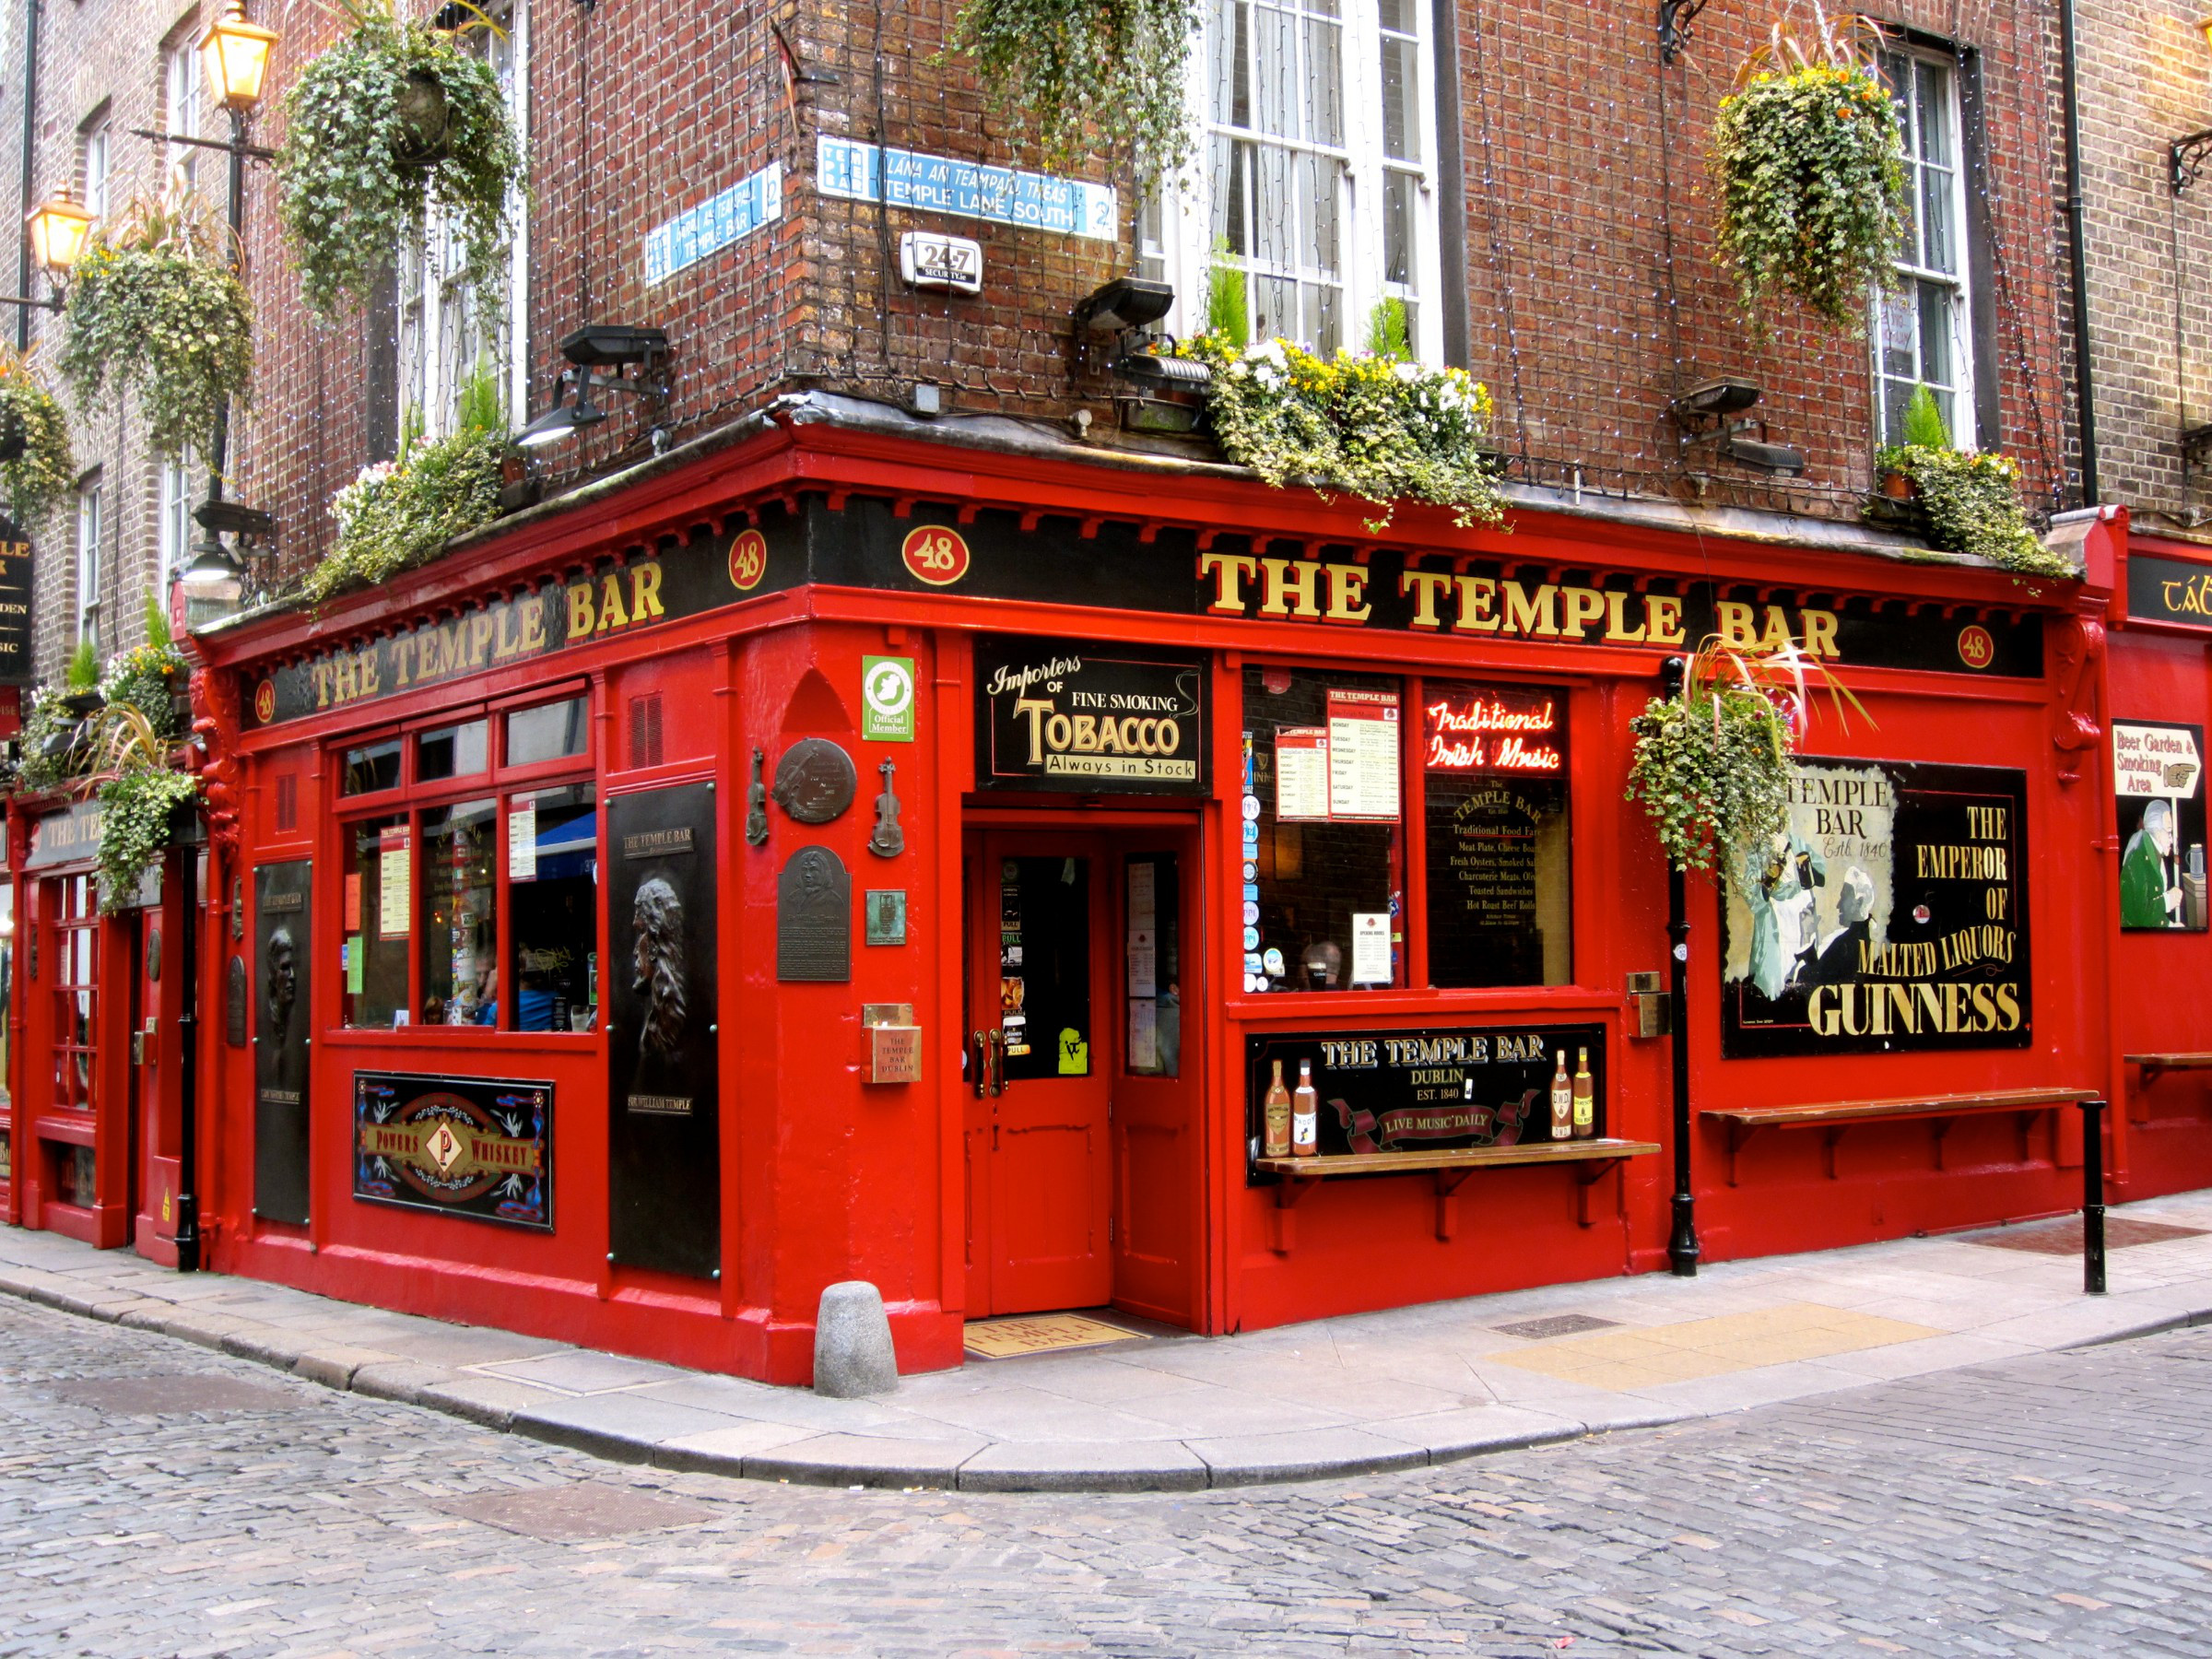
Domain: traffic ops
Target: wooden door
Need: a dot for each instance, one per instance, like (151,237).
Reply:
(1041,1067)
(1157,1084)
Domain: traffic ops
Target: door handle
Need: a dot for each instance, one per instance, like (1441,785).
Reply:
(996,1043)
(982,1041)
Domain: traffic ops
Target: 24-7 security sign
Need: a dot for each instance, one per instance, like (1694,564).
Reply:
(887,699)
(1052,715)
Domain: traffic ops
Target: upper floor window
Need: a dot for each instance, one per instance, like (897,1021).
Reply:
(451,327)
(180,105)
(175,527)
(87,563)
(95,165)
(1313,172)
(1924,334)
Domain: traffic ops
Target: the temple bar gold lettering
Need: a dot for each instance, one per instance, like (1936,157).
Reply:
(1248,584)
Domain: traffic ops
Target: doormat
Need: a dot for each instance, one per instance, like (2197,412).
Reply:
(1041,1334)
(2064,1238)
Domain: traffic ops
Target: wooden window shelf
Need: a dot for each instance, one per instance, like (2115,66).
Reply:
(2154,1064)
(1448,1170)
(1833,1117)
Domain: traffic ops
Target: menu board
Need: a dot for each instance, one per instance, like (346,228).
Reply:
(1301,774)
(1363,755)
(393,856)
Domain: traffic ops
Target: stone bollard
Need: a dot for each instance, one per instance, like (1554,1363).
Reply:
(853,1343)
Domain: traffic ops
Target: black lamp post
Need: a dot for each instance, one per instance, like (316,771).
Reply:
(1682,1243)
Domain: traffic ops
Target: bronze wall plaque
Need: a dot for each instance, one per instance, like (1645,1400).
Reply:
(813,917)
(815,780)
(234,1001)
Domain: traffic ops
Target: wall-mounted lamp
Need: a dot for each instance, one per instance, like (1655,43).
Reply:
(59,229)
(2186,155)
(234,59)
(592,350)
(1165,394)
(1707,415)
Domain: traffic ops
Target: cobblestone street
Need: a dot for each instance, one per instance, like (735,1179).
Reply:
(159,1499)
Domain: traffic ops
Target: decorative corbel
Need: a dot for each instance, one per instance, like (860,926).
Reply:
(2075,729)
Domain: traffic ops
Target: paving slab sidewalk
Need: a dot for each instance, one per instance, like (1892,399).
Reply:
(1352,1396)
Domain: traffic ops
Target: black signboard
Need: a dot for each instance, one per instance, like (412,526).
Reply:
(14,605)
(1890,914)
(1431,1090)
(478,1146)
(1068,715)
(69,837)
(2169,590)
(283,962)
(663,1072)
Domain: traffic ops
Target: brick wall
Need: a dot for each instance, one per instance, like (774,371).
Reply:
(1592,293)
(2146,79)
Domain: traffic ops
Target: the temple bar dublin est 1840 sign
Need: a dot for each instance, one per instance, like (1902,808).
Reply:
(2169,590)
(1890,914)
(1428,1091)
(477,1147)
(14,605)
(1065,715)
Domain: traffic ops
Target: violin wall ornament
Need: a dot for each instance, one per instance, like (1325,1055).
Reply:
(889,839)
(756,804)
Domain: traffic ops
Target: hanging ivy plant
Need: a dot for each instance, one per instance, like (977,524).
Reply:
(1713,763)
(47,722)
(1374,427)
(1082,77)
(38,471)
(137,810)
(156,309)
(1809,156)
(394,122)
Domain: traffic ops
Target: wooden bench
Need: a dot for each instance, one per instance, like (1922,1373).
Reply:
(1835,1116)
(1300,1175)
(2155,1066)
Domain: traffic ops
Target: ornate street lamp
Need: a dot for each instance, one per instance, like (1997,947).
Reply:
(234,57)
(59,230)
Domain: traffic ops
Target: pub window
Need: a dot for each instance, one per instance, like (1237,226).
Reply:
(460,961)
(553,908)
(375,915)
(1494,780)
(372,767)
(455,751)
(1324,839)
(548,731)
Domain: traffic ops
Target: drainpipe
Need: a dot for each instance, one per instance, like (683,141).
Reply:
(31,132)
(2085,385)
(1682,1246)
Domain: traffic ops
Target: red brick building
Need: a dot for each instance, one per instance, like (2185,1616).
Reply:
(576,1023)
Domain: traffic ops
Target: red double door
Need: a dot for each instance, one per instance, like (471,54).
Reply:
(1084,1070)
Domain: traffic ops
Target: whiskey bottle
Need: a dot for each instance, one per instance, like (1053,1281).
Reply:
(1562,1102)
(1305,1114)
(1585,1097)
(1277,1113)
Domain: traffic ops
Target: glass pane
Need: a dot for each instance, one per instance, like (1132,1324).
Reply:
(1322,856)
(1275,73)
(371,769)
(1153,897)
(1274,308)
(1401,100)
(1901,351)
(455,751)
(553,909)
(1319,183)
(1495,761)
(1397,228)
(1231,222)
(460,961)
(1324,83)
(1274,234)
(1933,93)
(1939,241)
(1322,322)
(374,917)
(548,731)
(1044,966)
(1935,364)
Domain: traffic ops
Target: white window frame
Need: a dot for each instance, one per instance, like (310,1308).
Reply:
(1174,228)
(176,526)
(181,106)
(433,308)
(1959,279)
(97,161)
(89,517)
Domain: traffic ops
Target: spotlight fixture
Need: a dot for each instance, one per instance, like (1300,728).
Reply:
(595,350)
(1125,304)
(1168,393)
(1707,415)
(212,564)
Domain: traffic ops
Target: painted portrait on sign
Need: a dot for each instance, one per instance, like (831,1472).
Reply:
(2159,794)
(663,1060)
(1885,914)
(281,923)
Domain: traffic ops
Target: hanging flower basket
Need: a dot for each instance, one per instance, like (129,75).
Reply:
(1809,156)
(156,309)
(140,816)
(396,122)
(37,471)
(1086,77)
